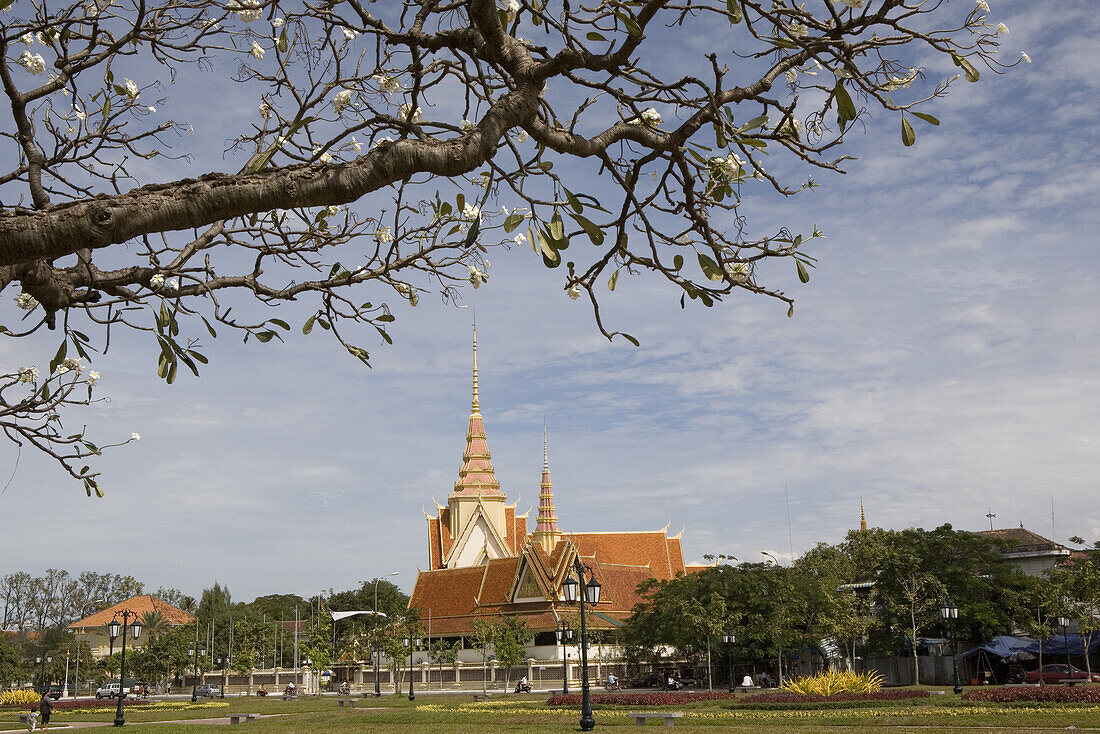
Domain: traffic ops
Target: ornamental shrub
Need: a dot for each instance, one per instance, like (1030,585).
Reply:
(831,682)
(1059,694)
(21,697)
(889,694)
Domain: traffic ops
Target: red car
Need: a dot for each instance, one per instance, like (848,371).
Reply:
(1059,672)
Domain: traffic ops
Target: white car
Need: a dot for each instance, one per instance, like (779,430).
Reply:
(110,690)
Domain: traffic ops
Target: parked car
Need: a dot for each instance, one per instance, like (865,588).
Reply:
(652,679)
(206,690)
(108,690)
(54,690)
(1059,671)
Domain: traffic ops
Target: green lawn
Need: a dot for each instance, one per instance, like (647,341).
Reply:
(448,714)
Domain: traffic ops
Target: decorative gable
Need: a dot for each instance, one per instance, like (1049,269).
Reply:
(478,543)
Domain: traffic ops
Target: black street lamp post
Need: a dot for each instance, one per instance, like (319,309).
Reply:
(729,639)
(565,636)
(76,679)
(377,650)
(1063,622)
(412,642)
(950,613)
(223,663)
(195,655)
(40,661)
(113,630)
(590,594)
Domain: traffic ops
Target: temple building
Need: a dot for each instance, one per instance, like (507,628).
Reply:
(93,628)
(483,563)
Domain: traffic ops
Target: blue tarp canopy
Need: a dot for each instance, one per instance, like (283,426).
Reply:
(1009,648)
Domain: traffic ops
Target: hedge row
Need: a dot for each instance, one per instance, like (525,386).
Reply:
(886,694)
(1060,694)
(671,698)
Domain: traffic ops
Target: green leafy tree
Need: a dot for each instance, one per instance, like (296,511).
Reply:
(510,640)
(357,184)
(1037,607)
(1078,586)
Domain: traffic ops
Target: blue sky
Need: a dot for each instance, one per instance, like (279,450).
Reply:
(942,364)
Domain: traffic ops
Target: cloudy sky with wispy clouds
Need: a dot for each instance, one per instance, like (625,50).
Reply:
(942,364)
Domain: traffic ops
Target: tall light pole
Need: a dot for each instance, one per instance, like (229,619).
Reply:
(950,612)
(412,642)
(782,616)
(113,631)
(76,679)
(1063,622)
(377,651)
(591,594)
(729,639)
(565,635)
(195,653)
(40,661)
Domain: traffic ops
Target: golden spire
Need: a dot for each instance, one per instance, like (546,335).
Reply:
(546,532)
(862,517)
(475,408)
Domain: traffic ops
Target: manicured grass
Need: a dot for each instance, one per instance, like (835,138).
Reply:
(447,714)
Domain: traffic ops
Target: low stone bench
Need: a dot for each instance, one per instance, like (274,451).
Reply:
(349,702)
(24,718)
(242,718)
(481,696)
(744,689)
(669,717)
(1073,681)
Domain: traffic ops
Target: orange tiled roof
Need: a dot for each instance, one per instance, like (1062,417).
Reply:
(644,548)
(142,605)
(1021,539)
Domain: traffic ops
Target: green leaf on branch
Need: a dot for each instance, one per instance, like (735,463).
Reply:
(630,339)
(593,36)
(60,356)
(594,233)
(611,282)
(264,336)
(790,312)
(308,325)
(513,221)
(361,354)
(926,117)
(845,108)
(908,137)
(733,11)
(972,74)
(677,262)
(632,26)
(803,274)
(710,268)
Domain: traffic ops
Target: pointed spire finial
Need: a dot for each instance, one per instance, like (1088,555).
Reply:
(862,517)
(545,452)
(476,406)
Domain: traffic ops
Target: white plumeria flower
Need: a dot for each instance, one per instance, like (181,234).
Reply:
(853,4)
(131,88)
(265,110)
(349,34)
(342,100)
(512,8)
(738,272)
(471,212)
(156,281)
(28,374)
(574,292)
(520,238)
(69,364)
(27,38)
(521,136)
(257,50)
(649,118)
(332,210)
(467,126)
(79,114)
(135,436)
(172,284)
(798,30)
(983,5)
(383,235)
(409,114)
(388,84)
(356,145)
(476,276)
(247,10)
(93,377)
(324,157)
(34,63)
(277,22)
(1025,57)
(383,139)
(26,301)
(1002,29)
(791,75)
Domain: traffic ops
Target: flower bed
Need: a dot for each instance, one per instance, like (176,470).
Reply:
(888,694)
(654,698)
(1059,694)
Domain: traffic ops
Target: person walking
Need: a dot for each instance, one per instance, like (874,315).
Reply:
(45,708)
